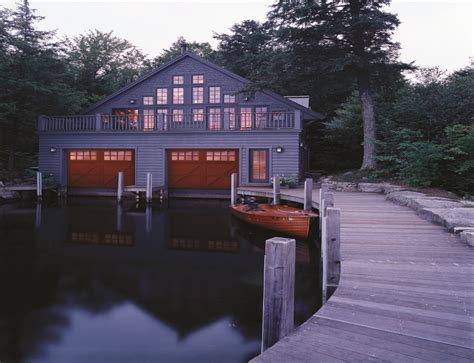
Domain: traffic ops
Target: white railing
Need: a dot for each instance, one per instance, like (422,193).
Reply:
(171,122)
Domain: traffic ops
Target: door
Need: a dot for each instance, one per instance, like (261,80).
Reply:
(201,168)
(259,165)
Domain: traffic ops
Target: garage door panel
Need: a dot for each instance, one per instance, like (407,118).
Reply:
(91,168)
(201,169)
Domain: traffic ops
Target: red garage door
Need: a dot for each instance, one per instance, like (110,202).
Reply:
(202,168)
(99,168)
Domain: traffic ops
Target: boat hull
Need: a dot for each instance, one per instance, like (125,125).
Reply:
(284,219)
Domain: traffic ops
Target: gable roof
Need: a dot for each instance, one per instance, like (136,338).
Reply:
(307,114)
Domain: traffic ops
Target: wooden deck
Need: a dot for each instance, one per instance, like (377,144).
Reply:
(406,292)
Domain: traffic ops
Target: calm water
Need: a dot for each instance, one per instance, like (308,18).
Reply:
(87,282)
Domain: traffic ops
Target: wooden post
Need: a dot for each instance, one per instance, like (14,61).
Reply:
(328,202)
(119,217)
(278,290)
(308,194)
(148,218)
(120,186)
(149,187)
(333,238)
(324,189)
(38,215)
(276,190)
(233,189)
(39,186)
(298,120)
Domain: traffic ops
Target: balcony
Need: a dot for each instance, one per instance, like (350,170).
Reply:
(161,122)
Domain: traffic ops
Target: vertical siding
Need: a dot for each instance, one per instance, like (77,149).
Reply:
(150,149)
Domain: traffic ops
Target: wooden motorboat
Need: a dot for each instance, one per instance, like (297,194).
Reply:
(281,218)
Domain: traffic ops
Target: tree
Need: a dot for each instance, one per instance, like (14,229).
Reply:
(352,37)
(102,63)
(34,79)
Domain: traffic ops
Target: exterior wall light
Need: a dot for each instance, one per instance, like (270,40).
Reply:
(279,149)
(132,101)
(53,149)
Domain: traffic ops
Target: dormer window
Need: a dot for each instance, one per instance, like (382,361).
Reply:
(178,79)
(198,79)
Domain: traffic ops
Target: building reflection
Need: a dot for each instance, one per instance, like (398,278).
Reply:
(81,257)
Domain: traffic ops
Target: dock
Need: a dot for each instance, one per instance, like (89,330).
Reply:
(406,291)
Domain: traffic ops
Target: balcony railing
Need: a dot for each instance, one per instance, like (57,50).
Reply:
(172,122)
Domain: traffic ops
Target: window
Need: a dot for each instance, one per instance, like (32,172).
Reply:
(198,115)
(258,165)
(229,98)
(185,155)
(198,79)
(214,94)
(198,94)
(178,79)
(246,118)
(214,118)
(147,100)
(178,95)
(117,155)
(148,119)
(178,115)
(83,155)
(125,118)
(230,112)
(225,155)
(161,96)
(261,117)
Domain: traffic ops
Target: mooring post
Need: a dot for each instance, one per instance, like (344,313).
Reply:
(333,230)
(38,215)
(149,187)
(120,186)
(233,189)
(324,189)
(39,186)
(276,189)
(148,218)
(308,194)
(119,217)
(278,290)
(328,202)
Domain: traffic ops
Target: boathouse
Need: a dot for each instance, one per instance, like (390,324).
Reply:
(189,122)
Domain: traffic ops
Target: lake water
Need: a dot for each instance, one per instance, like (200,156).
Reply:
(86,281)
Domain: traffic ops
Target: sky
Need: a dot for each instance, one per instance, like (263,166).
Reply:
(432,32)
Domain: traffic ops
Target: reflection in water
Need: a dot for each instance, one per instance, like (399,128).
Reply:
(93,281)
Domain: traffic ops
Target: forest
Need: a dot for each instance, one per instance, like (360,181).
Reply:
(386,119)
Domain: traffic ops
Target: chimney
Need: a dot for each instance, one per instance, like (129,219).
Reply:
(184,47)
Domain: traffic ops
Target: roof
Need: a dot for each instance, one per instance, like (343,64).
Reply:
(307,114)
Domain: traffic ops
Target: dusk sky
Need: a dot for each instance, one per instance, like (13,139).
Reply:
(432,33)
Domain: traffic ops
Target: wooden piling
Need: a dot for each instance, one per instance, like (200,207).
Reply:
(327,202)
(308,194)
(276,190)
(278,290)
(333,230)
(120,186)
(149,187)
(148,218)
(38,215)
(119,217)
(39,186)
(233,189)
(324,189)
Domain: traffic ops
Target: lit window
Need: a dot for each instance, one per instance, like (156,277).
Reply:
(117,155)
(225,155)
(246,118)
(260,117)
(178,79)
(83,155)
(148,119)
(147,100)
(185,155)
(198,94)
(229,98)
(214,118)
(258,165)
(198,114)
(178,95)
(230,112)
(198,78)
(161,96)
(214,94)
(178,115)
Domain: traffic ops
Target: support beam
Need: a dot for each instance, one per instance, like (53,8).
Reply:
(276,190)
(39,186)
(233,189)
(120,186)
(308,194)
(278,290)
(149,187)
